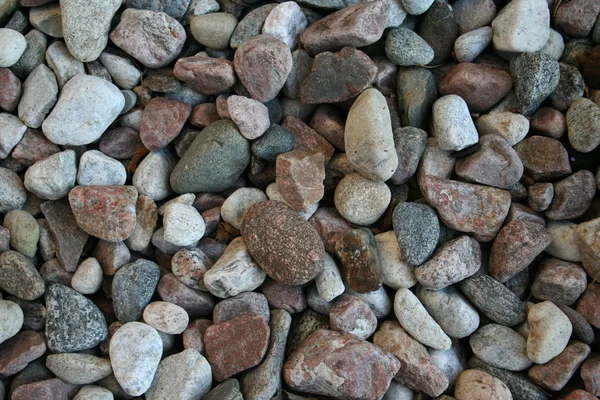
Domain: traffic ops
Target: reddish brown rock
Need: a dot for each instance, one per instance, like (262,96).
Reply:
(480,86)
(543,158)
(540,195)
(336,364)
(106,212)
(515,247)
(519,212)
(120,143)
(194,333)
(337,77)
(10,90)
(576,18)
(417,369)
(591,68)
(20,350)
(328,122)
(49,389)
(162,121)
(300,176)
(359,254)
(589,304)
(204,114)
(579,395)
(33,147)
(205,74)
(549,122)
(555,374)
(282,243)
(357,26)
(559,281)
(330,226)
(236,345)
(466,207)
(195,302)
(590,373)
(212,219)
(351,314)
(263,64)
(306,138)
(206,201)
(146,216)
(284,297)
(572,196)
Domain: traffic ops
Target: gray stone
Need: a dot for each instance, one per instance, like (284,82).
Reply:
(416,90)
(251,25)
(19,277)
(501,347)
(12,46)
(581,328)
(11,319)
(199,7)
(452,123)
(523,26)
(235,206)
(48,19)
(329,281)
(469,45)
(535,77)
(511,126)
(549,332)
(410,144)
(122,70)
(40,91)
(132,289)
(13,194)
(570,87)
(396,272)
(53,177)
(439,29)
(12,132)
(405,48)
(33,55)
(97,169)
(583,124)
(285,22)
(275,141)
(77,368)
(451,362)
(24,231)
(88,277)
(228,390)
(555,46)
(417,229)
(166,317)
(360,200)
(416,7)
(151,177)
(241,305)
(62,63)
(173,8)
(213,30)
(183,225)
(92,392)
(473,14)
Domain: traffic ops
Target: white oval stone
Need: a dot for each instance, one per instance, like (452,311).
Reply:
(329,281)
(549,332)
(360,200)
(12,46)
(562,243)
(12,132)
(236,205)
(11,319)
(151,177)
(452,124)
(183,225)
(522,26)
(166,317)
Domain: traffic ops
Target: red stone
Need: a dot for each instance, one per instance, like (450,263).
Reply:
(49,389)
(549,122)
(330,226)
(205,74)
(10,90)
(284,297)
(559,281)
(194,333)
(20,350)
(351,314)
(204,115)
(120,143)
(579,395)
(307,138)
(543,158)
(590,373)
(300,176)
(106,212)
(329,123)
(32,148)
(162,121)
(236,345)
(555,374)
(589,305)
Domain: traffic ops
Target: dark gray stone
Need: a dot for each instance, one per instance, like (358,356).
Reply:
(404,47)
(19,277)
(243,304)
(581,328)
(438,28)
(95,68)
(301,66)
(228,390)
(535,77)
(417,229)
(132,289)
(570,87)
(33,372)
(33,55)
(251,25)
(275,141)
(410,144)
(18,22)
(416,90)
(577,51)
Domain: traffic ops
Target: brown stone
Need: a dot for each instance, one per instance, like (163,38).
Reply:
(300,176)
(120,143)
(359,254)
(543,158)
(161,80)
(482,209)
(146,216)
(515,247)
(111,256)
(572,196)
(206,201)
(480,86)
(33,147)
(590,373)
(20,350)
(284,297)
(589,305)
(306,138)
(212,219)
(549,122)
(576,18)
(106,212)
(236,345)
(49,389)
(591,69)
(195,302)
(194,333)
(10,90)
(204,114)
(579,395)
(555,374)
(519,212)
(351,314)
(162,121)
(330,226)
(328,122)
(205,74)
(282,242)
(559,281)
(540,195)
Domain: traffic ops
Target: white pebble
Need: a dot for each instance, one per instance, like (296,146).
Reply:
(236,205)
(549,332)
(88,276)
(183,225)
(11,319)
(329,281)
(53,177)
(12,46)
(98,169)
(396,272)
(469,45)
(452,124)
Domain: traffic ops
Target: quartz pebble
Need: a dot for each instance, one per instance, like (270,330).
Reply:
(549,332)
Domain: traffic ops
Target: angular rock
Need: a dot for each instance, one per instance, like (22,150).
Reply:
(570,88)
(19,351)
(251,25)
(206,75)
(52,178)
(559,281)
(535,77)
(417,230)
(40,91)
(358,252)
(572,196)
(13,195)
(19,277)
(416,90)
(306,138)
(352,315)
(300,176)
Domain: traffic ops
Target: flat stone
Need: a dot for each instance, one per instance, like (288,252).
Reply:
(559,281)
(40,91)
(19,277)
(195,302)
(529,19)
(478,385)
(588,304)
(555,374)
(583,122)
(213,30)
(122,70)
(241,305)
(78,368)
(438,27)
(44,389)
(250,116)
(11,90)
(452,123)
(572,196)
(416,90)
(132,289)
(417,230)
(543,158)
(358,252)
(48,19)
(535,77)
(162,121)
(405,48)
(549,332)
(251,25)
(501,347)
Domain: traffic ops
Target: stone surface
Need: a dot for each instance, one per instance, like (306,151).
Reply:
(452,123)
(195,302)
(588,304)
(20,350)
(122,70)
(512,127)
(535,77)
(555,374)
(183,225)
(472,43)
(166,317)
(152,175)
(549,122)
(306,138)
(549,332)
(48,19)
(478,385)
(13,195)
(77,368)
(13,46)
(250,116)
(19,277)
(417,230)
(583,122)
(40,91)
(352,315)
(570,88)
(581,328)
(572,196)
(190,266)
(227,390)
(522,27)
(358,252)
(416,90)
(577,18)
(585,237)
(11,316)
(205,74)
(501,347)
(213,30)
(543,158)
(52,178)
(589,374)
(132,289)
(559,281)
(285,22)
(405,48)
(162,121)
(11,90)
(360,200)
(438,27)
(24,232)
(275,141)
(97,169)
(88,277)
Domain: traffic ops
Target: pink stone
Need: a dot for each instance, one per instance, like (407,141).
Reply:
(204,115)
(559,281)
(32,148)
(250,116)
(192,336)
(205,74)
(20,350)
(330,226)
(555,374)
(579,395)
(307,138)
(285,297)
(10,90)
(162,121)
(300,176)
(49,389)
(352,315)
(328,122)
(120,143)
(549,122)
(589,305)
(590,373)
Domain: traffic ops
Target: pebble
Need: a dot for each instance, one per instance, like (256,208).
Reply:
(263,64)
(162,121)
(405,48)
(166,317)
(285,297)
(589,374)
(236,345)
(34,53)
(410,144)
(285,22)
(213,30)
(183,225)
(11,90)
(199,7)
(417,230)
(590,66)
(352,315)
(73,322)
(358,252)
(494,300)
(417,369)
(572,196)
(20,350)
(19,277)
(241,305)
(583,123)
(576,19)
(555,45)
(250,116)
(570,88)
(92,392)
(555,374)
(152,38)
(24,231)
(585,238)
(535,77)
(120,143)
(306,138)
(396,273)
(251,25)
(539,196)
(471,44)
(581,328)
(478,385)
(559,281)
(122,70)
(327,360)
(47,388)
(86,107)
(549,332)
(205,74)
(438,27)
(13,194)
(13,46)
(151,177)
(203,115)
(452,123)
(11,318)
(275,141)
(235,272)
(135,352)
(62,63)
(501,347)
(40,91)
(416,90)
(543,158)
(214,160)
(415,319)
(415,7)
(48,19)
(132,289)
(524,26)
(227,390)
(111,256)
(579,395)
(78,368)
(190,266)
(195,302)
(88,277)
(483,208)
(97,169)
(588,304)
(360,200)
(450,362)
(52,178)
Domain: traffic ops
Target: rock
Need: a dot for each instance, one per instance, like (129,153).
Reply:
(166,317)
(40,90)
(263,64)
(236,205)
(529,19)
(162,121)
(236,345)
(483,209)
(11,317)
(417,369)
(235,272)
(581,328)
(45,389)
(543,158)
(111,256)
(588,304)
(494,300)
(471,44)
(24,232)
(452,123)
(438,28)
(214,161)
(360,200)
(570,88)
(97,169)
(62,63)
(559,281)
(501,347)
(11,90)
(356,26)
(92,392)
(204,114)
(251,25)
(480,86)
(539,196)
(405,48)
(190,266)
(152,175)
(88,277)
(285,22)
(535,77)
(199,7)
(52,178)
(227,390)
(555,374)
(417,230)
(282,243)
(13,46)
(183,225)
(120,143)
(135,351)
(250,116)
(510,126)
(206,75)
(242,305)
(152,38)
(590,66)
(316,302)
(48,19)
(396,273)
(285,297)
(73,322)
(410,144)
(416,90)
(327,363)
(306,138)
(576,19)
(275,141)
(78,368)
(329,282)
(572,196)
(585,237)
(359,255)
(20,350)
(213,30)
(583,122)
(352,315)
(195,302)
(589,374)
(478,385)
(13,195)
(19,277)
(415,319)
(549,122)
(549,332)
(86,107)
(579,395)
(132,289)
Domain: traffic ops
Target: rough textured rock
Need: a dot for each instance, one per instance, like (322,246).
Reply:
(300,176)
(555,374)
(359,255)
(19,277)
(132,289)
(543,158)
(361,200)
(501,347)
(205,74)
(572,196)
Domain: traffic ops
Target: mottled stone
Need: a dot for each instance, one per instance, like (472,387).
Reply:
(352,315)
(555,374)
(132,289)
(589,374)
(583,123)
(452,123)
(522,27)
(588,305)
(162,121)
(195,302)
(576,18)
(559,281)
(19,277)
(549,122)
(543,158)
(360,200)
(478,385)
(501,347)
(359,254)
(11,90)
(572,196)
(535,77)
(78,368)
(205,74)
(306,138)
(285,297)
(438,27)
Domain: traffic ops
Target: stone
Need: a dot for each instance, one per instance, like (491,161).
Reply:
(183,225)
(122,70)
(329,123)
(285,297)
(251,25)
(306,138)
(199,7)
(300,176)
(570,88)
(120,143)
(206,75)
(275,141)
(583,122)
(162,121)
(263,64)
(555,374)
(135,352)
(581,328)
(152,175)
(86,107)
(52,272)
(32,148)
(543,158)
(213,162)
(396,273)
(501,347)
(18,351)
(250,116)
(213,30)
(588,304)
(146,218)
(316,302)
(577,19)
(535,77)
(529,19)
(539,196)
(585,237)
(111,256)
(478,385)
(559,281)
(494,300)
(62,63)
(285,22)
(417,230)
(415,319)
(40,91)
(88,277)
(235,272)
(589,374)
(356,26)
(282,243)
(555,45)
(13,46)
(590,67)
(190,266)
(329,281)
(132,289)
(241,305)
(13,195)
(92,392)
(352,315)
(410,144)
(236,345)
(405,48)
(327,363)
(19,277)
(97,169)
(11,90)
(44,389)
(512,127)
(549,332)
(471,44)
(452,123)
(358,252)
(438,27)
(483,208)
(78,368)
(413,7)
(572,196)
(153,38)
(337,77)
(24,231)
(73,322)
(227,390)
(11,317)
(416,90)
(204,114)
(195,302)
(48,19)
(166,317)
(52,178)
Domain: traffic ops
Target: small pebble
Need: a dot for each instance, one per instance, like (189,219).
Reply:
(13,46)
(88,277)
(478,385)
(501,347)
(11,318)
(97,169)
(396,273)
(452,123)
(213,30)
(358,252)
(166,317)
(352,315)
(549,332)
(24,231)
(555,374)
(360,200)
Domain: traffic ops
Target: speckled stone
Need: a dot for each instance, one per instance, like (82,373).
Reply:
(473,384)
(588,305)
(501,347)
(555,374)
(19,277)
(559,281)
(195,302)
(77,368)
(581,328)
(352,315)
(572,196)
(132,289)
(417,230)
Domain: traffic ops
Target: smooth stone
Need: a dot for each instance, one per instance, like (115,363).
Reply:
(132,289)
(120,143)
(19,277)
(40,91)
(549,332)
(512,127)
(570,88)
(88,277)
(122,70)
(97,169)
(48,19)
(452,123)
(539,196)
(250,116)
(535,77)
(572,196)
(417,230)
(52,178)
(576,19)
(543,158)
(190,266)
(227,390)
(206,75)
(378,300)
(416,90)
(583,125)
(439,29)
(500,346)
(195,302)
(416,7)
(13,194)
(11,319)
(559,281)
(183,225)
(44,389)
(11,89)
(410,144)
(199,7)
(151,177)
(556,373)
(12,47)
(285,22)
(352,315)
(523,26)
(478,385)
(358,252)
(588,304)
(450,362)
(396,273)
(166,317)
(78,368)
(562,243)
(64,65)
(555,46)
(251,25)
(213,30)
(471,44)
(111,256)
(236,205)
(405,48)
(585,236)
(241,305)
(589,374)
(24,231)
(92,392)
(329,281)
(275,141)
(20,350)
(360,200)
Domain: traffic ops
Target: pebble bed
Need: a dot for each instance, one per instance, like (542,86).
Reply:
(312,199)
